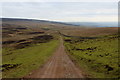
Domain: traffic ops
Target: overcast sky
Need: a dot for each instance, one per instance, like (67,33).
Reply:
(62,11)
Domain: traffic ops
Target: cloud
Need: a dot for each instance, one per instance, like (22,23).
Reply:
(62,11)
(59,0)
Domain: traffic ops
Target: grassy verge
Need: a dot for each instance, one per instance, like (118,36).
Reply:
(27,59)
(98,57)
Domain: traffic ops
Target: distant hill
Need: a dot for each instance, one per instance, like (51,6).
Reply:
(31,20)
(95,24)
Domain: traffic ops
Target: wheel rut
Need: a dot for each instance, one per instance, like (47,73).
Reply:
(58,66)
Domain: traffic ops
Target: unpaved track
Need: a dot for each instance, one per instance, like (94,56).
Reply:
(58,66)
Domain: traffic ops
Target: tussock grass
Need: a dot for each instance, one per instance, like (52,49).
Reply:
(98,57)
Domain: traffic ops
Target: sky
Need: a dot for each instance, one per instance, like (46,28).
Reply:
(62,11)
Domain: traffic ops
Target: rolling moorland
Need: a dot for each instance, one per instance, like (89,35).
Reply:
(28,44)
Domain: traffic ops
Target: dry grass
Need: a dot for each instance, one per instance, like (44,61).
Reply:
(91,31)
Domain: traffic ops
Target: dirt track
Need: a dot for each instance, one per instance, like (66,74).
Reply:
(59,66)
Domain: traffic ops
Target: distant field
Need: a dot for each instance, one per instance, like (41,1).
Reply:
(91,31)
(97,56)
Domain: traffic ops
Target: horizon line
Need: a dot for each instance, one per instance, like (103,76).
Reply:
(53,20)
